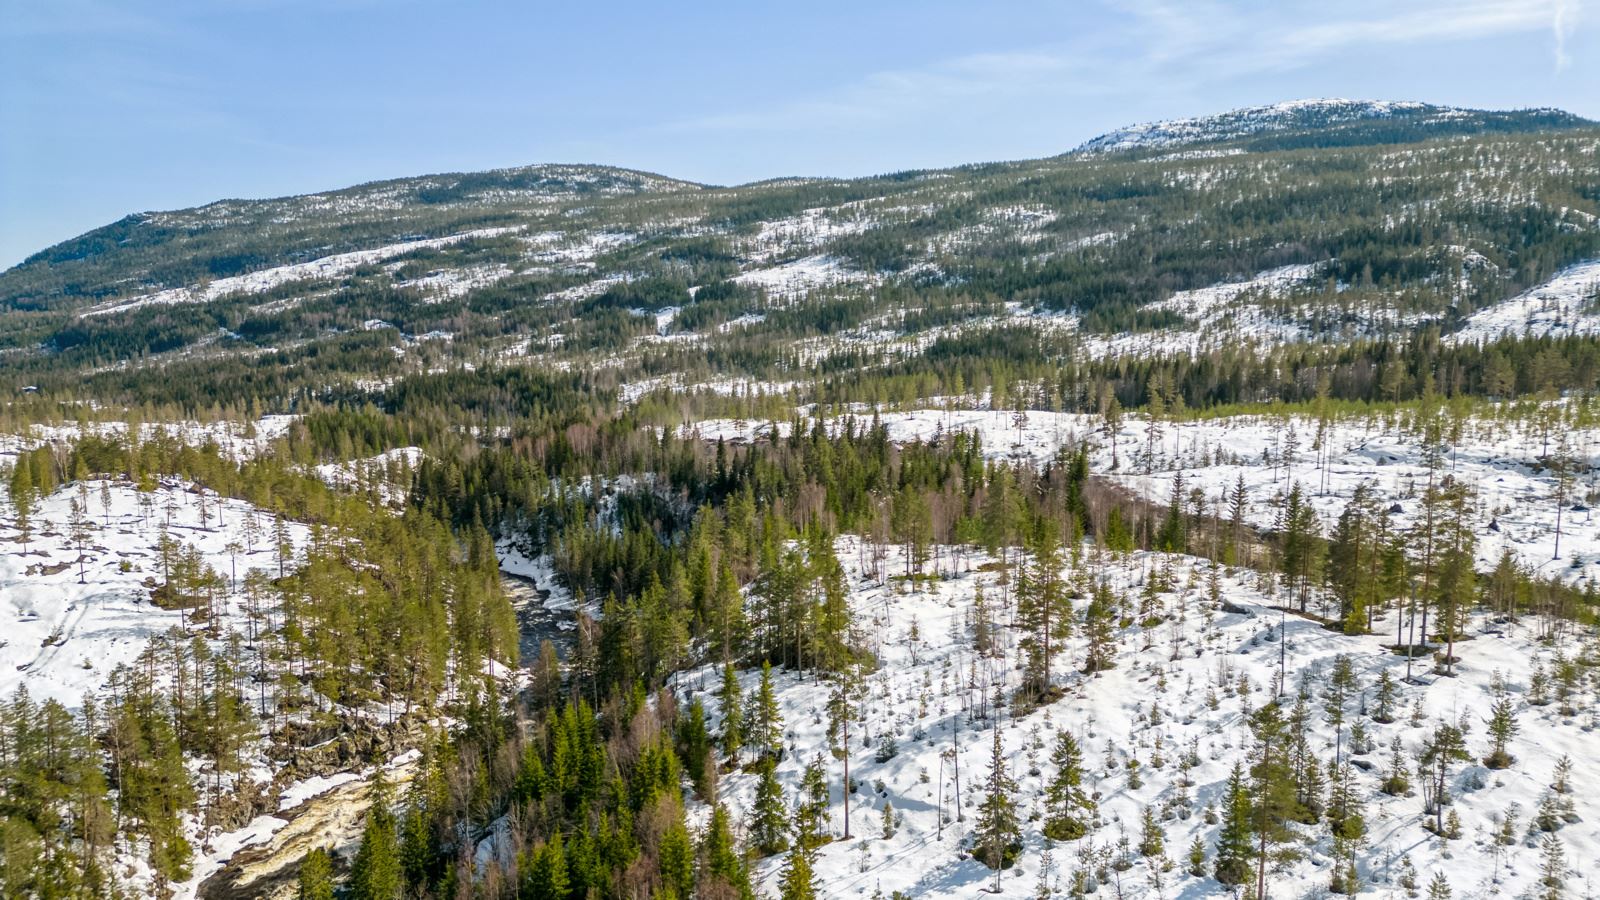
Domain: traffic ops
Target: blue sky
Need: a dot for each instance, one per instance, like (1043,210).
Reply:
(114,106)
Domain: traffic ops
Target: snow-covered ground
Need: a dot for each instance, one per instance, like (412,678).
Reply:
(236,440)
(574,251)
(1220,314)
(1568,304)
(810,228)
(447,284)
(267,279)
(1254,120)
(1514,505)
(373,470)
(1180,688)
(630,392)
(62,638)
(1259,310)
(1263,310)
(1500,458)
(795,279)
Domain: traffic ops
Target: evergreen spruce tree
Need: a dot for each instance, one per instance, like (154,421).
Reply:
(811,806)
(1397,781)
(796,881)
(1341,683)
(316,876)
(694,747)
(1197,857)
(1456,578)
(721,862)
(1299,549)
(1502,727)
(1068,803)
(21,490)
(769,816)
(1552,869)
(1098,620)
(676,856)
(1274,801)
(544,872)
(1355,559)
(1152,837)
(376,873)
(1384,698)
(426,797)
(1043,610)
(1235,841)
(999,830)
(1345,815)
(763,722)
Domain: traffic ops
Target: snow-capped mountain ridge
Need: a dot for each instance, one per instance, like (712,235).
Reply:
(1292,115)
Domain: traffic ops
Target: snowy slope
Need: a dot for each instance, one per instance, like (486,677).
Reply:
(1501,458)
(1254,120)
(236,441)
(62,638)
(373,470)
(1566,305)
(1174,692)
(267,279)
(1221,315)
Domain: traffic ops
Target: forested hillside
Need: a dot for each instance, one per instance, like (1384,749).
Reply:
(1204,512)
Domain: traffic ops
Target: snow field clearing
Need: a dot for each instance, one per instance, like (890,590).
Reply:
(1175,691)
(630,392)
(1216,315)
(795,279)
(373,470)
(1246,121)
(267,279)
(810,228)
(1563,306)
(236,440)
(62,639)
(1501,459)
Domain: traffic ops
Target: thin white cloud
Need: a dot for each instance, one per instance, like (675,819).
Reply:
(1293,35)
(1562,22)
(1176,42)
(909,91)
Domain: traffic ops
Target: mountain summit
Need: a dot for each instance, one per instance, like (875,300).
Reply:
(1333,120)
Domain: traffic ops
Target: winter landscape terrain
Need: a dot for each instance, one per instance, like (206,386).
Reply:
(1206,511)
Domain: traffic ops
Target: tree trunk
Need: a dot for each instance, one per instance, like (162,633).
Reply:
(847,772)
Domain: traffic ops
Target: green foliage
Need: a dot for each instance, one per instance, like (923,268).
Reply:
(377,873)
(997,837)
(316,876)
(768,827)
(1065,797)
(1235,845)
